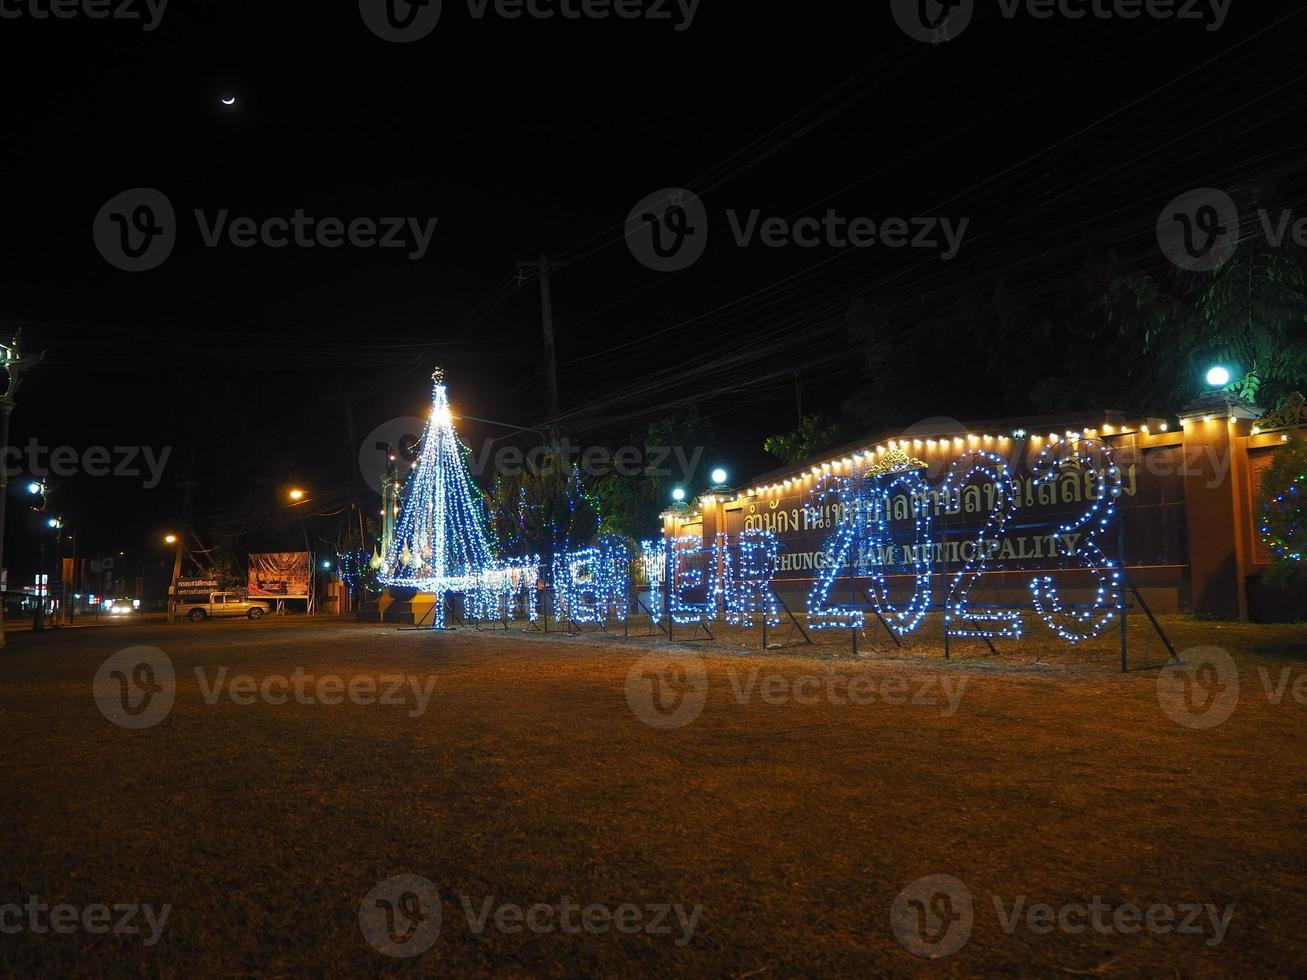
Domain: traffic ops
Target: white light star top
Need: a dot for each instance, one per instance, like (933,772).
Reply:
(441,417)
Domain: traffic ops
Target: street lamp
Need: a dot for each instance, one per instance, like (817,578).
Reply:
(43,589)
(14,364)
(297,494)
(56,524)
(170,539)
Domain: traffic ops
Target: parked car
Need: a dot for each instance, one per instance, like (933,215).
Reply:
(216,604)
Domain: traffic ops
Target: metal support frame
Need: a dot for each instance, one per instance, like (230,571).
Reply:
(444,598)
(1143,604)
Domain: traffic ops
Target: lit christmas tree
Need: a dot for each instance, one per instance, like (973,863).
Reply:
(1284,513)
(440,544)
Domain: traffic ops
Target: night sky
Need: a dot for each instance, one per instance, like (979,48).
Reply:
(1054,138)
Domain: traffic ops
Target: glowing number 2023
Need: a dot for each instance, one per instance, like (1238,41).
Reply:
(1084,459)
(960,617)
(822,614)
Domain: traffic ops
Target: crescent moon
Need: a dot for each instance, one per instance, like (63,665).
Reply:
(229,100)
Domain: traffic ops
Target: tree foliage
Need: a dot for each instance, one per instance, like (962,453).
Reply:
(1130,333)
(545,510)
(815,434)
(676,450)
(1283,513)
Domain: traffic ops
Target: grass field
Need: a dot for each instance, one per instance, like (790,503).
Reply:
(769,817)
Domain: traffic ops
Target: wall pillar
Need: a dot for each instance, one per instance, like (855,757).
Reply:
(1217,511)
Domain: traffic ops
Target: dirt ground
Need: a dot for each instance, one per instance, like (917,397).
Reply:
(778,802)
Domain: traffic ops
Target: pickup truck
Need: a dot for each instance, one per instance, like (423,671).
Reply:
(199,608)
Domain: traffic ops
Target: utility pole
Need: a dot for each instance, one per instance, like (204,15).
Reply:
(57,614)
(12,360)
(187,487)
(542,267)
(76,583)
(38,616)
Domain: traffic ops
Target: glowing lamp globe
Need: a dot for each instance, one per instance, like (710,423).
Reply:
(719,475)
(1218,377)
(678,495)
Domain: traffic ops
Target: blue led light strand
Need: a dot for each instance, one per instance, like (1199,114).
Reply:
(1081,459)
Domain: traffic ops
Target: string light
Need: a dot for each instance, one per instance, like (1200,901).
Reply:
(747,565)
(592,585)
(1281,514)
(881,547)
(857,508)
(957,607)
(822,613)
(357,570)
(693,570)
(1072,624)
(653,560)
(440,544)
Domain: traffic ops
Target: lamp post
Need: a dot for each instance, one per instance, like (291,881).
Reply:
(57,524)
(14,364)
(176,541)
(42,588)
